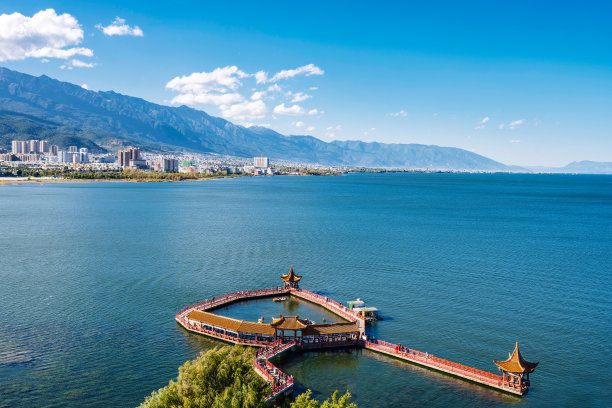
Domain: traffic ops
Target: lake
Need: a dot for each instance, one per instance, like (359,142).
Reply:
(461,266)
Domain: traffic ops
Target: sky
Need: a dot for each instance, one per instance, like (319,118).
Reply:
(522,82)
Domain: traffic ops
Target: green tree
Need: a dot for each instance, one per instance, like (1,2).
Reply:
(221,377)
(224,377)
(305,401)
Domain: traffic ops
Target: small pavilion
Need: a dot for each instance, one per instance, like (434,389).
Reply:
(516,369)
(289,328)
(291,279)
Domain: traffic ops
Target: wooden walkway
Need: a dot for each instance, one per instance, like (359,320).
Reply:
(282,384)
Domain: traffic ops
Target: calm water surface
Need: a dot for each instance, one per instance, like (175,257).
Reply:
(462,266)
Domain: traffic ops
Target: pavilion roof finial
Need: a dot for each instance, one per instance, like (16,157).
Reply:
(516,363)
(291,276)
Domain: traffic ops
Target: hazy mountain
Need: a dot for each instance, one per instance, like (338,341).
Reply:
(578,167)
(67,114)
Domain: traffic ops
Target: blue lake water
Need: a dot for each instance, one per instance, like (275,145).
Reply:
(461,265)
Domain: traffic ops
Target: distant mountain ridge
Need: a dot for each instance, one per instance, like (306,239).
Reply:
(578,167)
(65,113)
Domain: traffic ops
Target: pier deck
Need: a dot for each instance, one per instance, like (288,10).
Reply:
(282,384)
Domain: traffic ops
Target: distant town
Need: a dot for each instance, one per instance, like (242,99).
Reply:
(28,155)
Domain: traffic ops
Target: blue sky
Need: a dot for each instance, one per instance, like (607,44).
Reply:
(526,83)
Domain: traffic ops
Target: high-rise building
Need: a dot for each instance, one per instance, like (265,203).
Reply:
(124,156)
(84,155)
(16,146)
(34,146)
(53,150)
(134,154)
(73,149)
(261,162)
(20,147)
(64,157)
(43,146)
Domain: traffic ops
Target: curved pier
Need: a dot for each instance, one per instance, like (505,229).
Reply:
(272,339)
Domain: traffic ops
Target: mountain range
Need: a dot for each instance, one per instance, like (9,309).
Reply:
(67,114)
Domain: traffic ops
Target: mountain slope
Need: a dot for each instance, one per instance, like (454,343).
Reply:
(111,120)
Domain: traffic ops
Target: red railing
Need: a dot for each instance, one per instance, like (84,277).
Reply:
(232,297)
(279,381)
(329,304)
(446,365)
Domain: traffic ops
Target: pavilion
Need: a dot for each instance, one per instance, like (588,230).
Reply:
(516,370)
(291,279)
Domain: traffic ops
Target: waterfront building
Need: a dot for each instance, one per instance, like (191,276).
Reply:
(261,162)
(168,165)
(43,146)
(515,370)
(73,149)
(84,155)
(291,279)
(53,149)
(124,156)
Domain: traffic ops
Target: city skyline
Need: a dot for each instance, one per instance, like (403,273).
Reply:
(523,84)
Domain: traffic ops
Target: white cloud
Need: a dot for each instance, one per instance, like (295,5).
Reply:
(400,114)
(299,97)
(245,110)
(484,120)
(435,114)
(82,64)
(78,64)
(119,27)
(299,124)
(44,35)
(217,87)
(288,110)
(220,80)
(313,88)
(307,70)
(311,128)
(515,141)
(84,86)
(211,98)
(479,127)
(257,95)
(315,112)
(223,87)
(513,125)
(261,77)
(331,130)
